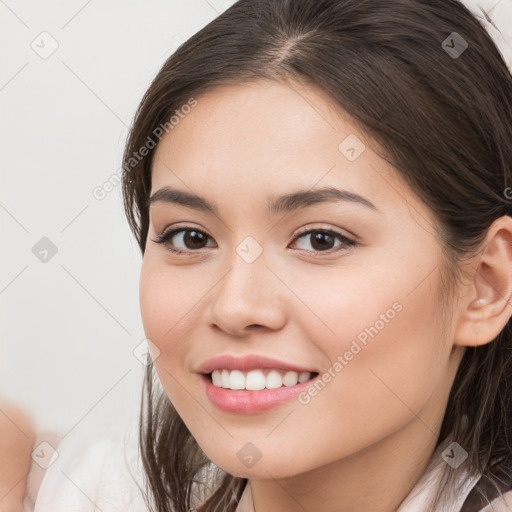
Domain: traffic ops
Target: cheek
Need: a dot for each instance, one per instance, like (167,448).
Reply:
(153,295)
(387,355)
(164,303)
(167,303)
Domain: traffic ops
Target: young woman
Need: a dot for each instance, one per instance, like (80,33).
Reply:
(321,191)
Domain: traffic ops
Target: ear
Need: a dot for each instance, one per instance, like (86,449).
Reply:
(486,306)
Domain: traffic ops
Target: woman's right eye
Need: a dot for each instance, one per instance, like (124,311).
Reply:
(191,237)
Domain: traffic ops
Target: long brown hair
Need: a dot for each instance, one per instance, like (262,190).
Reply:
(443,121)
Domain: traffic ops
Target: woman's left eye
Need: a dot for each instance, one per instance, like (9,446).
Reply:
(320,239)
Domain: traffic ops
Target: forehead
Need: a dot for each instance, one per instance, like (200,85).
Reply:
(270,137)
(257,122)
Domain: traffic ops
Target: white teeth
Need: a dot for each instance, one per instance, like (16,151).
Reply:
(225,379)
(274,380)
(255,380)
(217,378)
(236,380)
(304,376)
(290,378)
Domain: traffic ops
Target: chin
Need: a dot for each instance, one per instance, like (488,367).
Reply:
(277,466)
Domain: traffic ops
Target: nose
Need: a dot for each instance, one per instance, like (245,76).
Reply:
(249,296)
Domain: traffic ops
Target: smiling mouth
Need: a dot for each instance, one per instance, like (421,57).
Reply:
(258,379)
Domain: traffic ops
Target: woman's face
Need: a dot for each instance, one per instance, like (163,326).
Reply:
(352,306)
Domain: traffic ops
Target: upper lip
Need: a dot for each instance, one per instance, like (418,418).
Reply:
(247,363)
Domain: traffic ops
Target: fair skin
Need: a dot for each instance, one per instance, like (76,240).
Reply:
(367,436)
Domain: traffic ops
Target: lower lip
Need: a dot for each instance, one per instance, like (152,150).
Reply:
(250,402)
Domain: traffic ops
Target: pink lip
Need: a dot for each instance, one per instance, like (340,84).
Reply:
(247,363)
(251,402)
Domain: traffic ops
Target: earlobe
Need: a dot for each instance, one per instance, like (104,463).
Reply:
(479,303)
(488,307)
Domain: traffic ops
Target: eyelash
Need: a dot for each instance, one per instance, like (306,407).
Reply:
(165,238)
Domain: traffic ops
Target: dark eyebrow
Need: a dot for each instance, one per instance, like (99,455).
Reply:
(285,203)
(171,195)
(305,198)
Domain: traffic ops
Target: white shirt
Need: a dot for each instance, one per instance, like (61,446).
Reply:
(102,470)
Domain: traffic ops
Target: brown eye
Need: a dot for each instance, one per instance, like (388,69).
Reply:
(191,238)
(322,240)
(194,239)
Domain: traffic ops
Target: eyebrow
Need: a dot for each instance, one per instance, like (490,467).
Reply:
(285,203)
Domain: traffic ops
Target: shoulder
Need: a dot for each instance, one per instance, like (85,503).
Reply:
(94,470)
